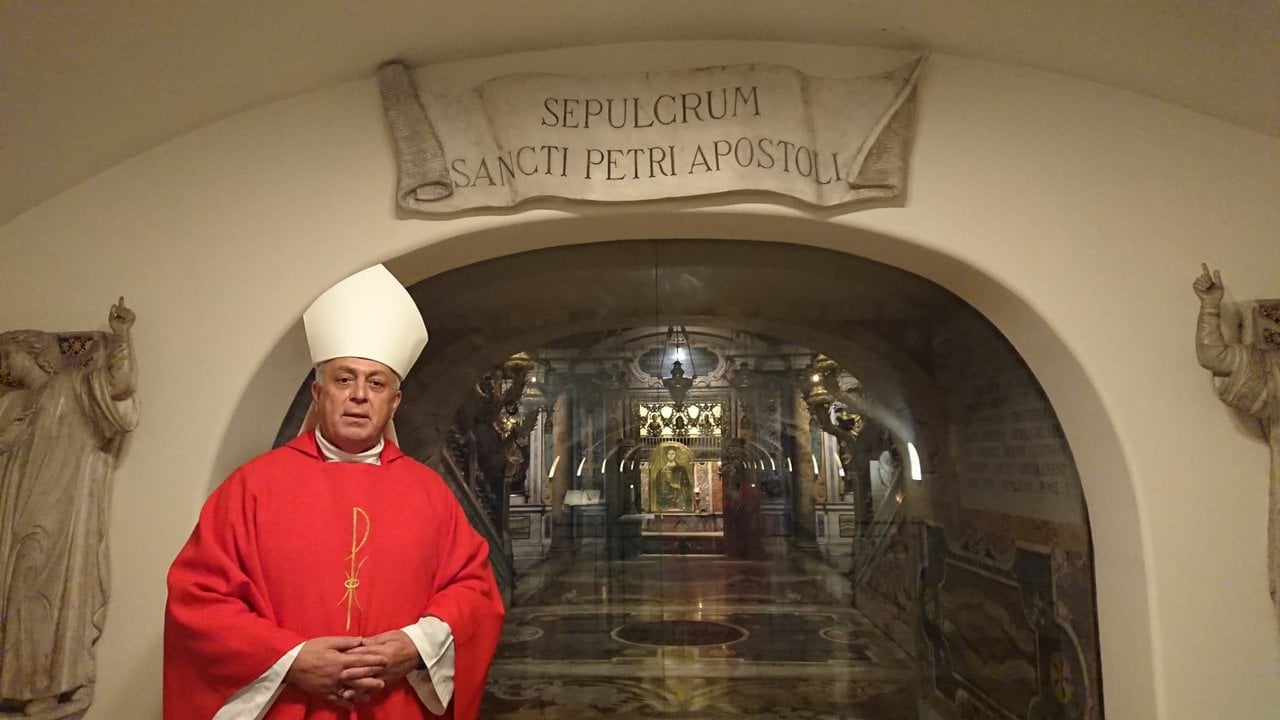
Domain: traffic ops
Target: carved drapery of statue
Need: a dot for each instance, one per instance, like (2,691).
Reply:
(1247,376)
(67,400)
(671,478)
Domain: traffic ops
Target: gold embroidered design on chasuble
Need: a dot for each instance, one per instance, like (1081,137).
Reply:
(358,540)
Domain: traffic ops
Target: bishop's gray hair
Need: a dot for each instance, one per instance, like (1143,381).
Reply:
(395,379)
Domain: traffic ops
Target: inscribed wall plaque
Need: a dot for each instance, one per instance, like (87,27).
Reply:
(645,136)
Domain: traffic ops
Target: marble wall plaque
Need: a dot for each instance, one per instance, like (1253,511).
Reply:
(520,527)
(848,525)
(1012,456)
(643,136)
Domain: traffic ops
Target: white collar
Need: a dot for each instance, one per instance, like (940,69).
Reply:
(332,453)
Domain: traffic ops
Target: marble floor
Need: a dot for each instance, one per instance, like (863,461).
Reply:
(695,637)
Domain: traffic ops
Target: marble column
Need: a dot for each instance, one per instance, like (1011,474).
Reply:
(615,496)
(562,457)
(588,463)
(535,482)
(804,475)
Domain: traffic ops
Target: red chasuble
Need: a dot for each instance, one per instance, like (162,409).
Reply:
(291,547)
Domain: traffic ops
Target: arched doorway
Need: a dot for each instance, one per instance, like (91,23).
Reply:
(972,553)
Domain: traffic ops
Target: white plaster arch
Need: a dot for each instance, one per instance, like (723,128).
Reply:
(1121,552)
(1072,214)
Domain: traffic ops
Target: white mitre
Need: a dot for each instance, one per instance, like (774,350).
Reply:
(369,315)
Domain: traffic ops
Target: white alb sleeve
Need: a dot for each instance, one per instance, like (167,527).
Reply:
(434,685)
(252,701)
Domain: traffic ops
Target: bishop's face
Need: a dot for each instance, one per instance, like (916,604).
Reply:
(355,399)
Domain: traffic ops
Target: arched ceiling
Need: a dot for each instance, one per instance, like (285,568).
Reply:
(583,307)
(85,84)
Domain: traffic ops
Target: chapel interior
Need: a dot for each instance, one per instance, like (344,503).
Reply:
(722,479)
(887,516)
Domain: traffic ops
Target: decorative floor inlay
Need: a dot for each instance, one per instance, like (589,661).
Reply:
(754,634)
(597,698)
(678,633)
(513,633)
(693,639)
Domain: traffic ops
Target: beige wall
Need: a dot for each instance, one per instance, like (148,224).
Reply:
(1072,215)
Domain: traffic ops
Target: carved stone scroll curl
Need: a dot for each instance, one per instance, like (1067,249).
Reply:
(421,175)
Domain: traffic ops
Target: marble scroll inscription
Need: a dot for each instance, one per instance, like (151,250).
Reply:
(645,136)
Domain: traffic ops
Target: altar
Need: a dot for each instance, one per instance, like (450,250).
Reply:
(672,534)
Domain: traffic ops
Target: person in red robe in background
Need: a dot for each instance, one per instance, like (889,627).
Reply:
(743,524)
(335,577)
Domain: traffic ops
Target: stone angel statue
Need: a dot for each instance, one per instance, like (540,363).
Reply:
(1249,382)
(66,402)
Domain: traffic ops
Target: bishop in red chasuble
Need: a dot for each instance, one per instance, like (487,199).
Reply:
(291,547)
(335,577)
